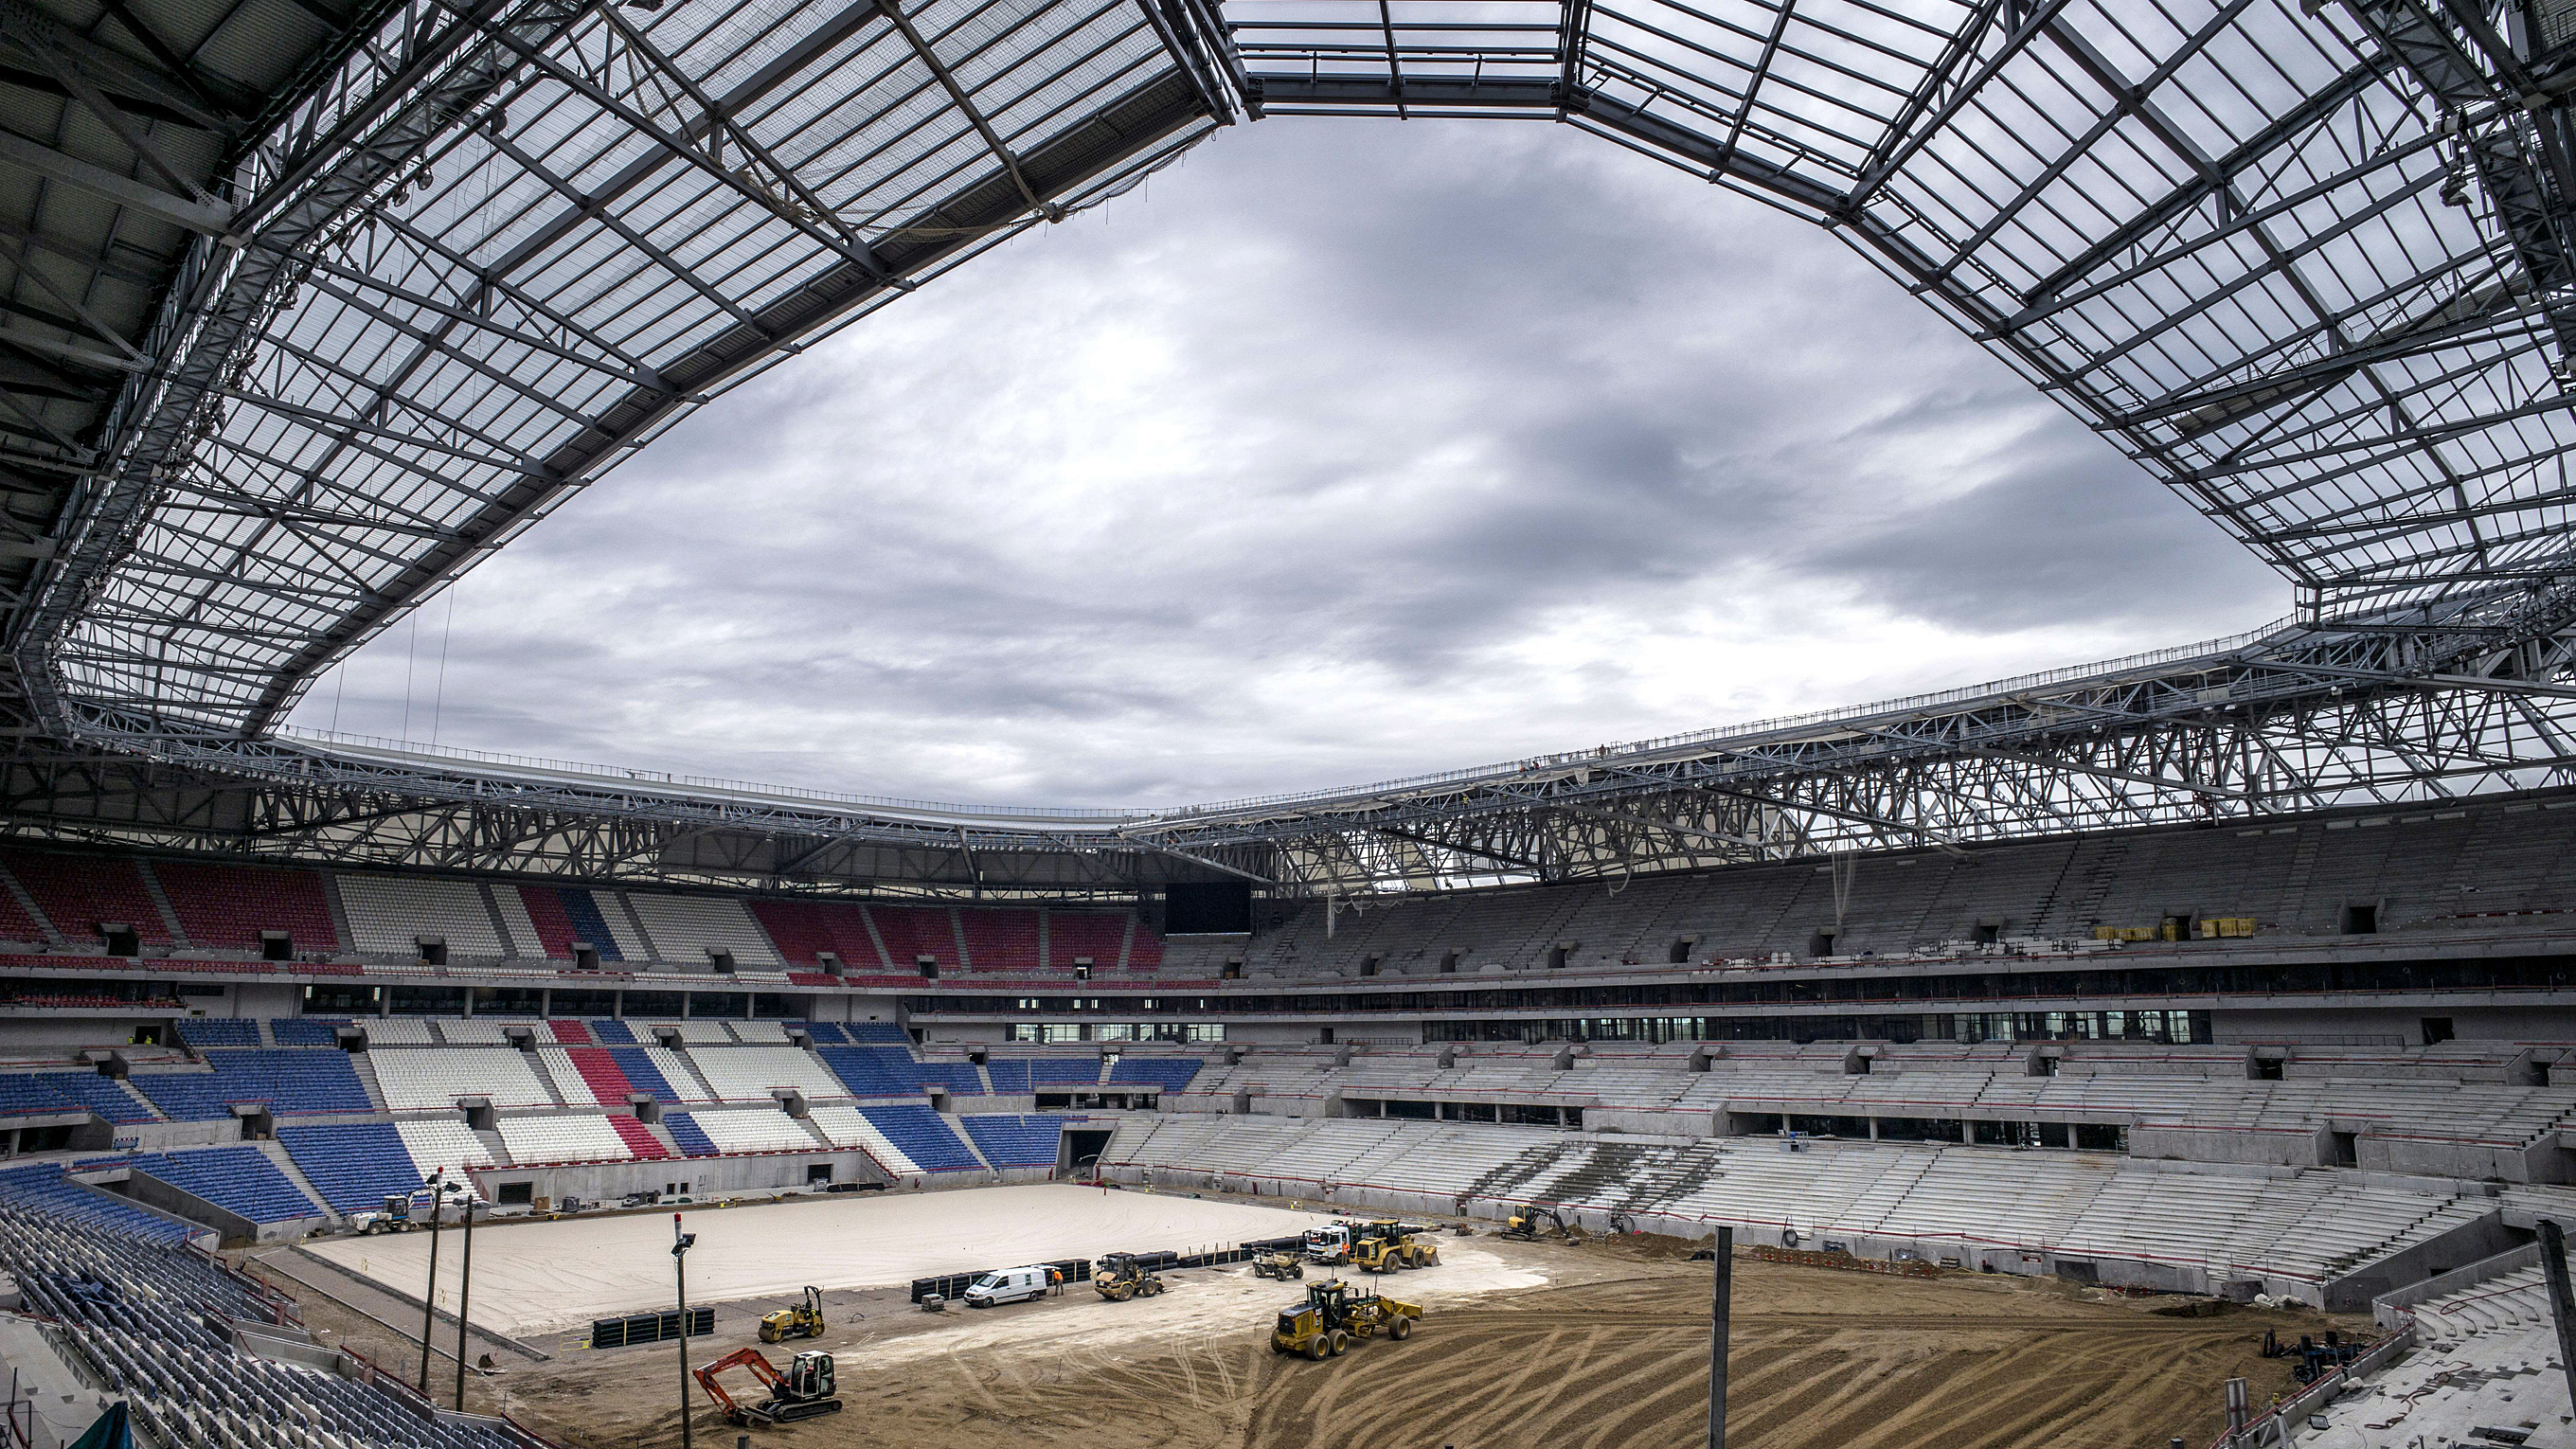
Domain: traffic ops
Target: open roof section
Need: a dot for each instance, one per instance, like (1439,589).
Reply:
(2312,270)
(434,311)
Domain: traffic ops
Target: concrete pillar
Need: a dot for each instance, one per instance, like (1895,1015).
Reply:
(1873,1129)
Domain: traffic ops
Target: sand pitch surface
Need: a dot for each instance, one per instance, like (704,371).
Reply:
(536,1276)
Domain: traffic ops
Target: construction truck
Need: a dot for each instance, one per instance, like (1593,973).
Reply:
(805,1391)
(1332,1244)
(1531,1222)
(1120,1277)
(1333,1316)
(805,1320)
(1277,1265)
(1381,1247)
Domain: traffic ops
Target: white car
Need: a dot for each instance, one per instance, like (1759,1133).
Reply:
(1009,1285)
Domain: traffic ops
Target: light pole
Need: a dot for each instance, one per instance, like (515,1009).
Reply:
(464,1294)
(680,1244)
(437,1185)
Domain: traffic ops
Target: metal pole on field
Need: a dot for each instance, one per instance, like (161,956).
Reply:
(464,1297)
(429,1296)
(1721,1312)
(680,1244)
(2562,1304)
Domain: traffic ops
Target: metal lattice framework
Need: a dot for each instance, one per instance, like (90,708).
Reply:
(2312,268)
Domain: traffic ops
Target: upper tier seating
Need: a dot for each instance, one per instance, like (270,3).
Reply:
(875,1071)
(612,1032)
(220,1031)
(1000,940)
(581,1137)
(80,893)
(605,913)
(356,1167)
(1072,935)
(392,912)
(48,1094)
(556,933)
(1017,1141)
(1173,1073)
(2429,871)
(821,1033)
(1064,1071)
(912,932)
(569,1033)
(288,1081)
(803,930)
(875,1032)
(316,1031)
(400,1031)
(418,1080)
(691,928)
(237,1179)
(226,907)
(922,1138)
(748,1073)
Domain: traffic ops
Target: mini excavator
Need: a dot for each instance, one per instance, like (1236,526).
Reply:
(805,1391)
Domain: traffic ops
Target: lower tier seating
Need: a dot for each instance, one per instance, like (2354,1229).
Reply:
(1008,1141)
(237,1179)
(355,1167)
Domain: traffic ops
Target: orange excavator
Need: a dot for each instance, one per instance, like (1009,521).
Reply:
(804,1391)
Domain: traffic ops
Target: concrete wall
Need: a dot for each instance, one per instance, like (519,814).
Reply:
(2457,1248)
(2232,1145)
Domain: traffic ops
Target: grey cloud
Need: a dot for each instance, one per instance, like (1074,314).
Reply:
(1356,450)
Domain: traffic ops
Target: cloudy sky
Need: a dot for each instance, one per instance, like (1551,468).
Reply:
(1347,450)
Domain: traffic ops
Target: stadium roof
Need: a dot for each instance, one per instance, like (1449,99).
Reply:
(311,309)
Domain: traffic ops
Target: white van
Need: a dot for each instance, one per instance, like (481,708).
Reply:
(1009,1285)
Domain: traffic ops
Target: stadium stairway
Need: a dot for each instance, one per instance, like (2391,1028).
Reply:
(366,1071)
(966,1139)
(285,1163)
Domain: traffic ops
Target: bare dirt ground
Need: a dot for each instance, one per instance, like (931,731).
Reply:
(1523,1346)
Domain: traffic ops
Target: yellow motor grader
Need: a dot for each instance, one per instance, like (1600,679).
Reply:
(1333,1316)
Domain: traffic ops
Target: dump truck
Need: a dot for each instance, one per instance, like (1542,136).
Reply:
(1332,1317)
(1277,1265)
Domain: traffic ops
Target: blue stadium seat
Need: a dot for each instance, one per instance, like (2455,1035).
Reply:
(1173,1073)
(317,1031)
(924,1137)
(41,1094)
(641,1073)
(693,1139)
(356,1167)
(1010,1079)
(588,924)
(237,1179)
(1064,1071)
(288,1080)
(43,1189)
(1009,1141)
(222,1031)
(886,1032)
(613,1033)
(824,1033)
